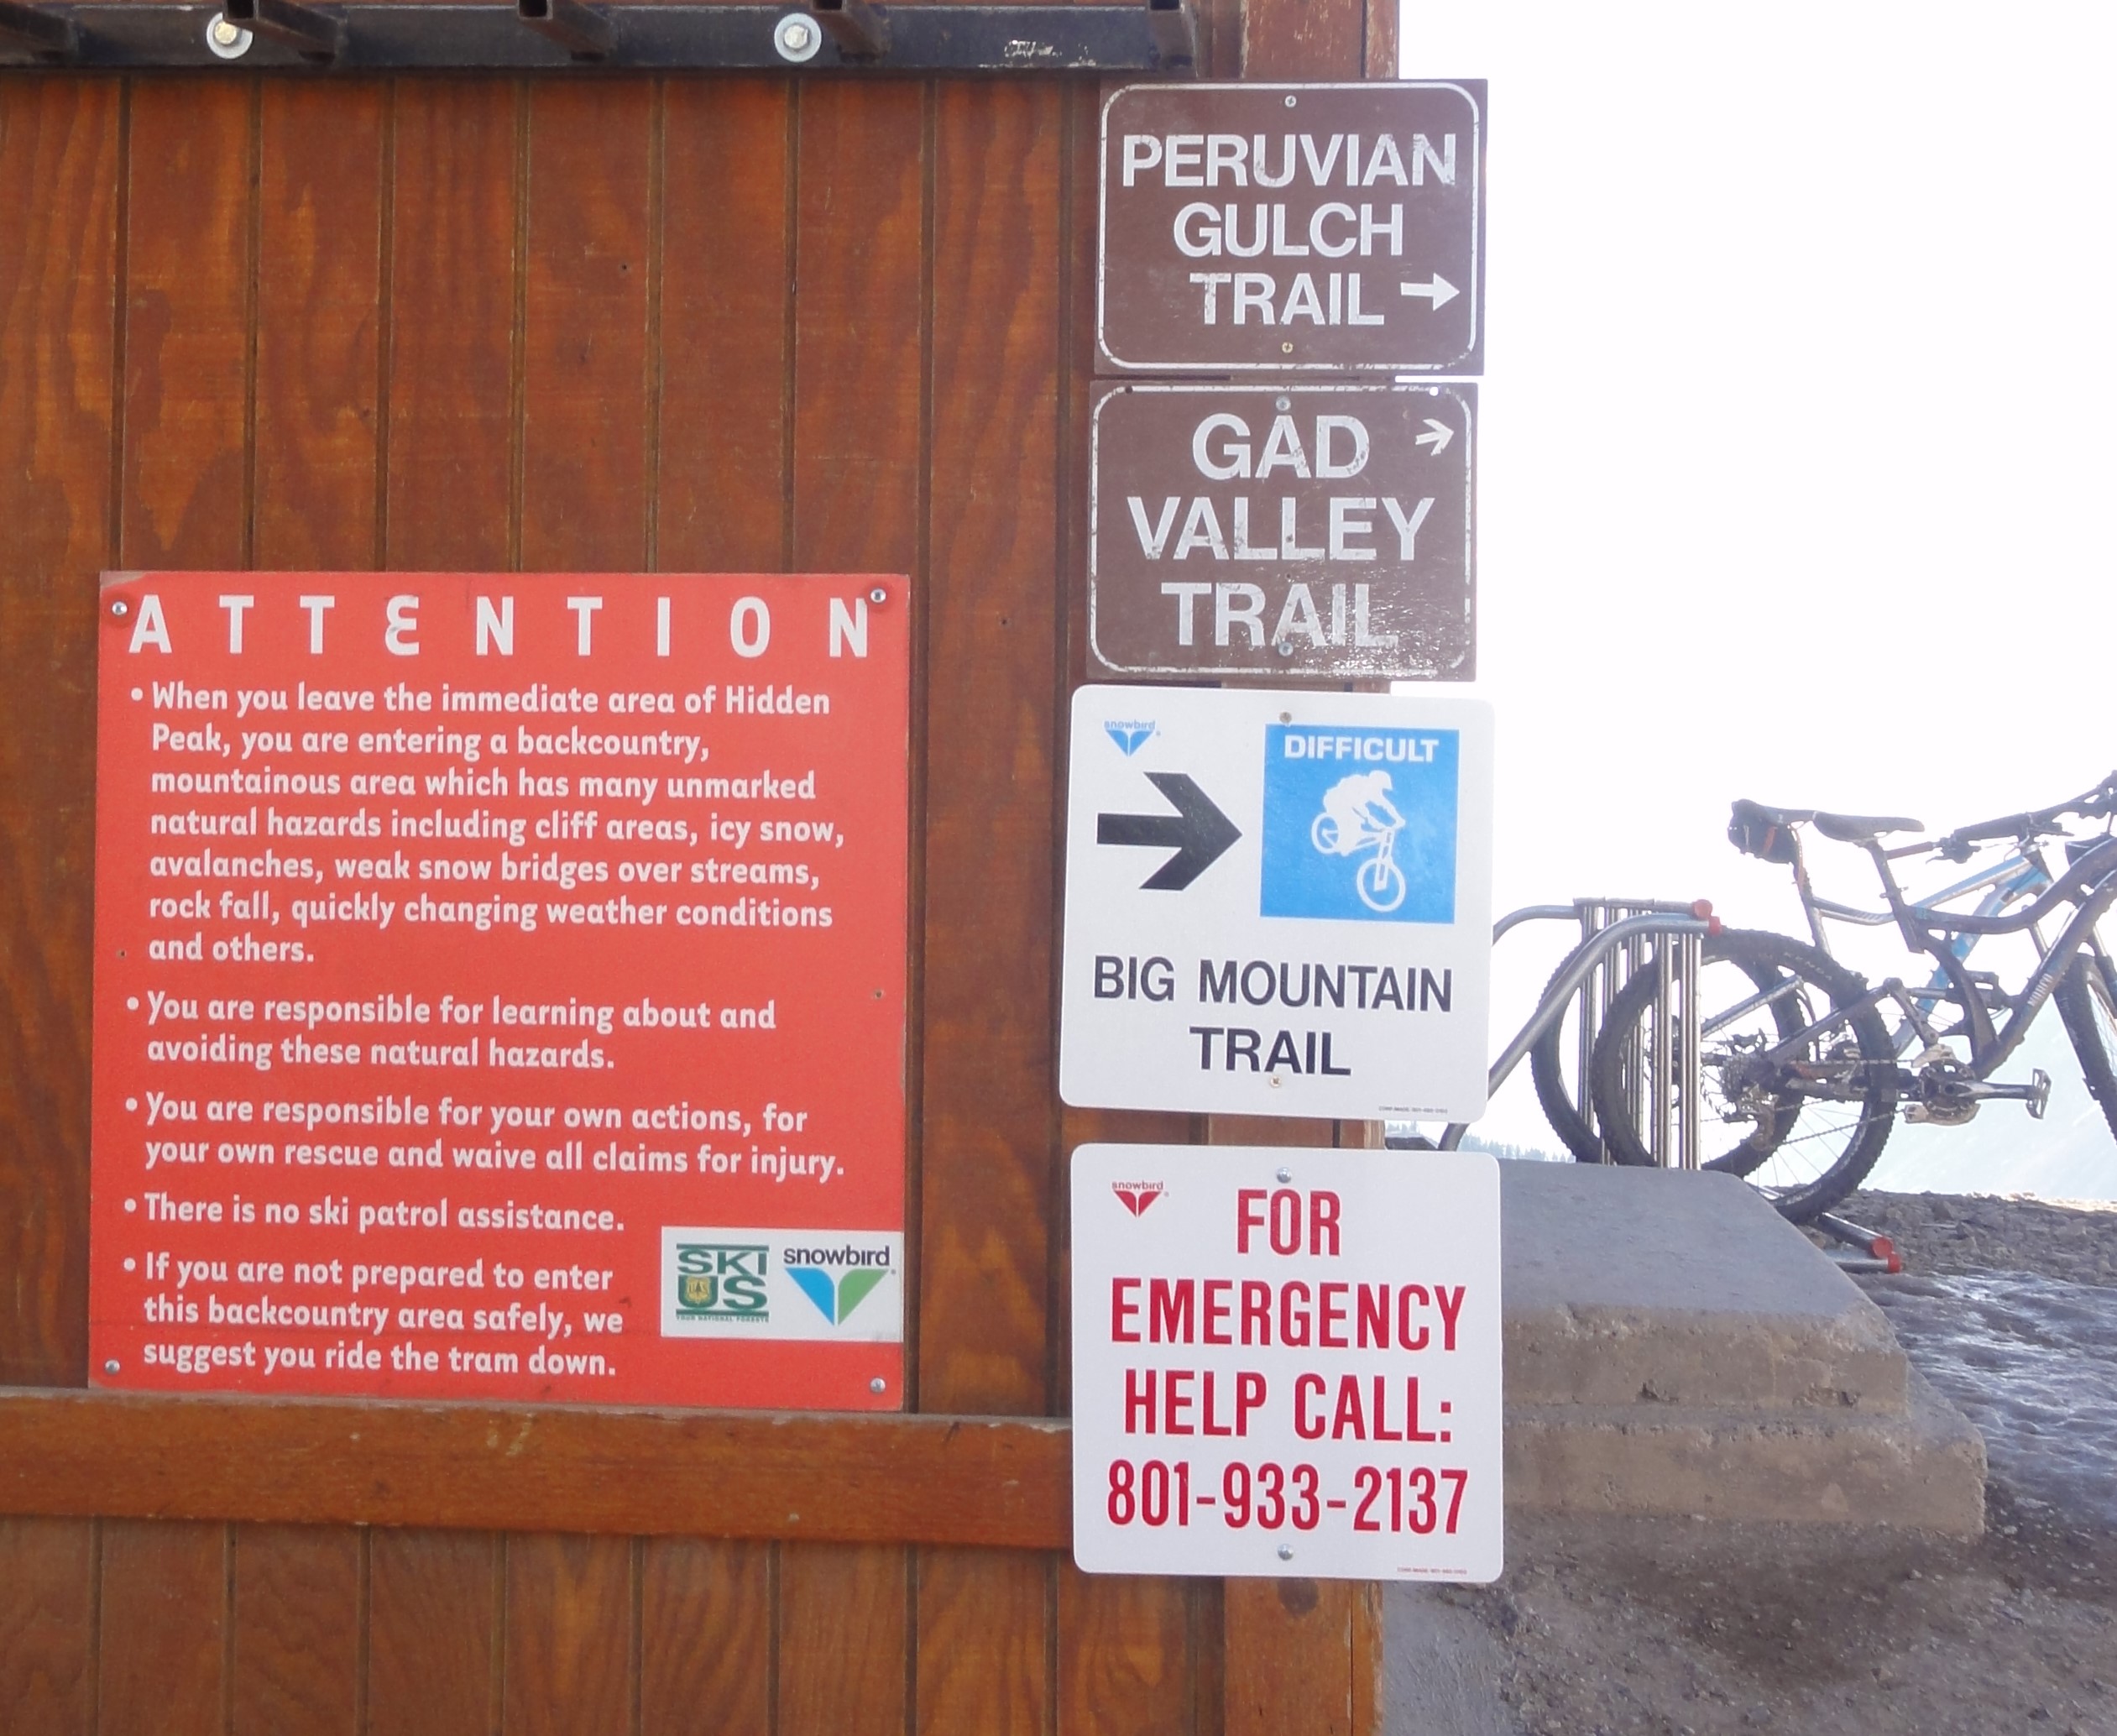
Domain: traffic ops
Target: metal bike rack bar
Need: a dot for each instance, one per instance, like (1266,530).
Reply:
(1601,941)
(571,36)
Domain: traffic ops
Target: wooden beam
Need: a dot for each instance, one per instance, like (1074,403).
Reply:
(998,1482)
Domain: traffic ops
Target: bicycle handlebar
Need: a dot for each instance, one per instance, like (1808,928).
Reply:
(2096,804)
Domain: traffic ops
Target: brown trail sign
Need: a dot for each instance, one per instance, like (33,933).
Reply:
(1315,227)
(1284,530)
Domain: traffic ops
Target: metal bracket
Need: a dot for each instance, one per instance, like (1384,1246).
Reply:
(26,29)
(314,34)
(1175,31)
(582,33)
(370,36)
(861,31)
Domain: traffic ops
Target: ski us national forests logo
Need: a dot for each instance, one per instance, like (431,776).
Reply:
(816,1284)
(719,1280)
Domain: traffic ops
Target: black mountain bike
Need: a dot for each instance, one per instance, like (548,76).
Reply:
(1803,1065)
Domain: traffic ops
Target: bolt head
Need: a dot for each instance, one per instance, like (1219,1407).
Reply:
(1283,404)
(1284,648)
(878,1385)
(1287,347)
(1285,1552)
(1290,101)
(1286,1175)
(111,1367)
(878,595)
(797,38)
(227,39)
(120,607)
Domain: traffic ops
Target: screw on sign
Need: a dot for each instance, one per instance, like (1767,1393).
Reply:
(1320,226)
(1292,1358)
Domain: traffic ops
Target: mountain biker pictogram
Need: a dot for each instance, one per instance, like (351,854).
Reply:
(1359,825)
(1358,819)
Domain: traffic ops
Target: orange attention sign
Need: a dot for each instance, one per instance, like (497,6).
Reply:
(500,987)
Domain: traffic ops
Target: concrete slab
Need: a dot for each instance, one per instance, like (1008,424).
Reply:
(1674,1347)
(1662,1287)
(1442,1667)
(1923,1468)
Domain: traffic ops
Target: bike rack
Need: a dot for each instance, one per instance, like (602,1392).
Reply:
(1614,934)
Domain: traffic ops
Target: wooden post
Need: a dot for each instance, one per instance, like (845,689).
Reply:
(1305,1656)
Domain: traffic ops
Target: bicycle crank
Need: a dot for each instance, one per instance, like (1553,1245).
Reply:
(1948,1095)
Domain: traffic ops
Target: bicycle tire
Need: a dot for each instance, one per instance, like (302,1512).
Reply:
(1384,874)
(2087,1006)
(1547,1072)
(1778,1155)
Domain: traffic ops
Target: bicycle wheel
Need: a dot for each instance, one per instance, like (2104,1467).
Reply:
(1548,1061)
(1381,882)
(2088,1004)
(1783,1052)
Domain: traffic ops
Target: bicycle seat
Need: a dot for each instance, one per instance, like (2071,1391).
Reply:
(1862,828)
(1761,831)
(1756,811)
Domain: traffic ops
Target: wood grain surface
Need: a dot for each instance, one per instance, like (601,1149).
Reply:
(434,1609)
(1290,1657)
(585,421)
(162,1632)
(321,161)
(294,1654)
(988,1145)
(451,483)
(708,1646)
(61,184)
(844,1626)
(725,361)
(48,1626)
(741,324)
(570,1636)
(983,1616)
(866,1478)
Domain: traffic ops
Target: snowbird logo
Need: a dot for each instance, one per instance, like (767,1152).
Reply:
(1137,1195)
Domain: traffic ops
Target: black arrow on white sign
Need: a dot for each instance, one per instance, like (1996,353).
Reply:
(1198,832)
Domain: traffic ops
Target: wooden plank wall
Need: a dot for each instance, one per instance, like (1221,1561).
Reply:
(710,324)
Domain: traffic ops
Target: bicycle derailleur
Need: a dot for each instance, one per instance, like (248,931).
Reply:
(1944,1093)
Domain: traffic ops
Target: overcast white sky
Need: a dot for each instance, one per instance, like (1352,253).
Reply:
(1798,421)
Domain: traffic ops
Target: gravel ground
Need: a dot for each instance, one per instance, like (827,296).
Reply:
(1672,1626)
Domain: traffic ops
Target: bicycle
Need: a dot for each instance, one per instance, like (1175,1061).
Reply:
(1794,1048)
(1378,880)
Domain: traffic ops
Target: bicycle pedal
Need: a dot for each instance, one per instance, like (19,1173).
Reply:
(2039,1097)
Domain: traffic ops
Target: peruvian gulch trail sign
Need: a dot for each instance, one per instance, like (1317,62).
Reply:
(1284,530)
(1275,227)
(1276,903)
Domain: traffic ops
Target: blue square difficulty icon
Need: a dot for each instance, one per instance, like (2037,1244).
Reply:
(1360,822)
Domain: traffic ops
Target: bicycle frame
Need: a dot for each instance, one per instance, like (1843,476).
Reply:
(1948,938)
